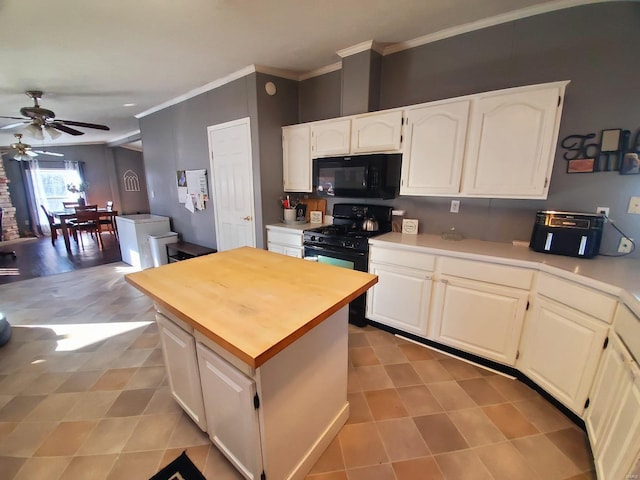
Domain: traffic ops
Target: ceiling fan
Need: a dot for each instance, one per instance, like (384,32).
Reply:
(24,152)
(40,119)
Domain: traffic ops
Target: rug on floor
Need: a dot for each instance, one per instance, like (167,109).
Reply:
(180,469)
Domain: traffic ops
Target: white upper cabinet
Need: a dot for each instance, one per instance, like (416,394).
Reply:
(434,149)
(376,132)
(296,154)
(511,142)
(332,137)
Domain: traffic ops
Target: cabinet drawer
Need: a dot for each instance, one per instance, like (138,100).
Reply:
(284,238)
(487,272)
(584,299)
(403,258)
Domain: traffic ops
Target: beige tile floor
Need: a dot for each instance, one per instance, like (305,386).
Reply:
(83,395)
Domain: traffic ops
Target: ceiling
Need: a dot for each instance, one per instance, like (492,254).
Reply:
(92,58)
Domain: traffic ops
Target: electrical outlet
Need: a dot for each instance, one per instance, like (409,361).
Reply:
(634,205)
(455,206)
(603,211)
(625,245)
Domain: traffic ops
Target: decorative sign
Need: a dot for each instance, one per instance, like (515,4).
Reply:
(410,226)
(612,153)
(315,216)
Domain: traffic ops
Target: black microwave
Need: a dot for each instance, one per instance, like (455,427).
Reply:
(358,176)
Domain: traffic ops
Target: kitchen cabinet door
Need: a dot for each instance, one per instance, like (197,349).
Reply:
(401,298)
(285,242)
(605,392)
(478,317)
(377,132)
(180,359)
(232,418)
(296,155)
(331,138)
(511,142)
(621,444)
(560,351)
(433,149)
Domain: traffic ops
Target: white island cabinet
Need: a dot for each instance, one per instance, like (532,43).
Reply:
(272,380)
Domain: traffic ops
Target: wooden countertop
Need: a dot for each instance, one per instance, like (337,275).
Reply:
(251,302)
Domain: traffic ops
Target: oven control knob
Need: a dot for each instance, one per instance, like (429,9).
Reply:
(313,238)
(320,239)
(347,243)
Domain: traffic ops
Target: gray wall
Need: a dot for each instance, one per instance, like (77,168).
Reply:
(175,138)
(589,45)
(99,171)
(130,202)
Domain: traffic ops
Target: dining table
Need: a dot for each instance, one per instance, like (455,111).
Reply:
(65,216)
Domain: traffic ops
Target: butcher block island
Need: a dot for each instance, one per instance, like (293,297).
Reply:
(255,345)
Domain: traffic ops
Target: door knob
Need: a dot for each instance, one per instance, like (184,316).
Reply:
(247,218)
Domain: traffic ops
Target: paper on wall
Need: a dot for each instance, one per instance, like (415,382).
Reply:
(188,204)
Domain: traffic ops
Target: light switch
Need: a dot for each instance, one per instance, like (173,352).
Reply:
(455,206)
(634,205)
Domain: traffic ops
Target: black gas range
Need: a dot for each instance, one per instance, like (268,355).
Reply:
(346,244)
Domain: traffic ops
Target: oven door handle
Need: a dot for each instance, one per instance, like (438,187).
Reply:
(329,251)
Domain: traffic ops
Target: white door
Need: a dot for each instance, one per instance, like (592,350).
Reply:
(232,419)
(434,149)
(232,179)
(179,350)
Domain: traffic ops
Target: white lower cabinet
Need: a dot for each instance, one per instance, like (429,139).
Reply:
(478,317)
(479,307)
(285,241)
(402,296)
(232,418)
(560,351)
(613,415)
(179,350)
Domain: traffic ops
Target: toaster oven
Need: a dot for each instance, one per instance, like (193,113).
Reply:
(567,233)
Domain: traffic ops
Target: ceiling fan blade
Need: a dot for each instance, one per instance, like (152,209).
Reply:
(82,124)
(16,118)
(53,154)
(14,125)
(65,129)
(30,153)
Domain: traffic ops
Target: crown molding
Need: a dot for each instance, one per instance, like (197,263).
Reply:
(243,72)
(360,47)
(488,22)
(126,138)
(278,72)
(321,71)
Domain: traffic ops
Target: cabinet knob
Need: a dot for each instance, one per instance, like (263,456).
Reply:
(247,218)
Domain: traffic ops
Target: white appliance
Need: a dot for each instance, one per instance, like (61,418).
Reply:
(158,244)
(133,235)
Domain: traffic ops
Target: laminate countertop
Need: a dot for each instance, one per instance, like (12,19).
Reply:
(251,302)
(619,276)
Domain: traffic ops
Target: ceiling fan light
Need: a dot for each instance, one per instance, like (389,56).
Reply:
(21,157)
(52,132)
(35,131)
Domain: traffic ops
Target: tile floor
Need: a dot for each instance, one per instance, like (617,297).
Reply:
(83,395)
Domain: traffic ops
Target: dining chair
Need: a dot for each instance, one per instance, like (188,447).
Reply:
(87,221)
(86,207)
(109,221)
(69,205)
(4,253)
(53,225)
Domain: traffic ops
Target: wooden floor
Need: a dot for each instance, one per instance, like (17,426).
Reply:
(39,258)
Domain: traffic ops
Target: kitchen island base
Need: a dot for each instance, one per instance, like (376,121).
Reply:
(301,394)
